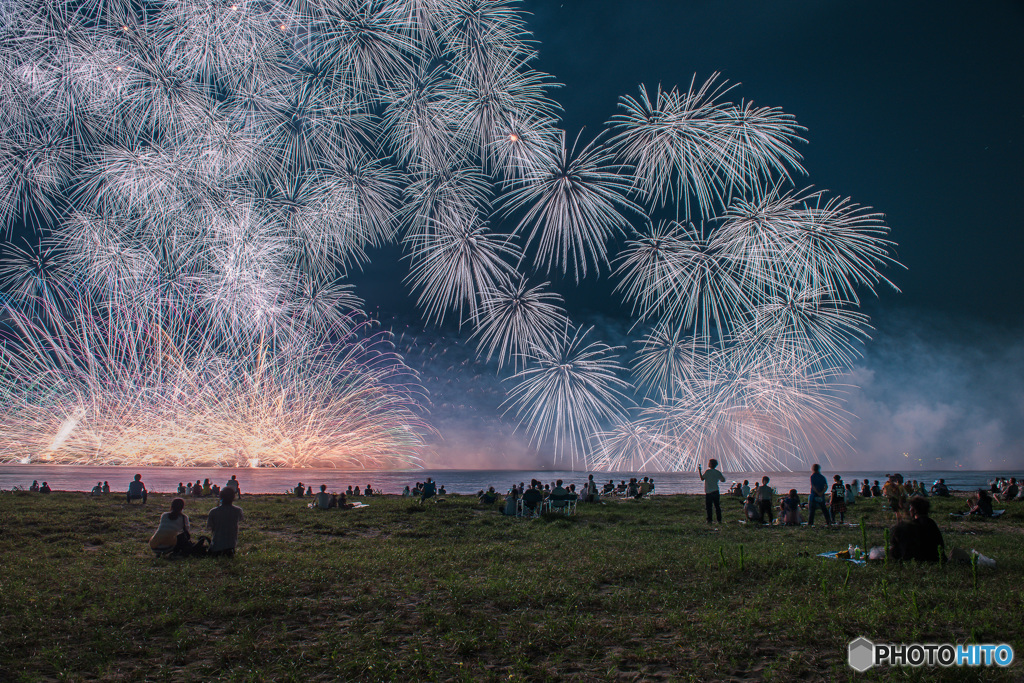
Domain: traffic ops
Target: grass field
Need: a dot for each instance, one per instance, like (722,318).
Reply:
(628,590)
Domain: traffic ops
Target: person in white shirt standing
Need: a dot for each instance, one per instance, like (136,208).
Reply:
(712,478)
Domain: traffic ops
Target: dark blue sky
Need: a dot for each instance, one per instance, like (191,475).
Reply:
(913,108)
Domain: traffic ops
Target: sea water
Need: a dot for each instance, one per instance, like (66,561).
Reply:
(281,480)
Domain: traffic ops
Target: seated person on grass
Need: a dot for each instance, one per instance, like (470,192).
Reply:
(919,538)
(559,497)
(489,497)
(45,488)
(789,509)
(750,510)
(939,488)
(223,522)
(97,490)
(981,507)
(300,490)
(511,502)
(321,500)
(1009,491)
(137,490)
(429,490)
(532,498)
(173,534)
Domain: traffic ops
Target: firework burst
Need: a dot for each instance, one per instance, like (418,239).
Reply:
(198,180)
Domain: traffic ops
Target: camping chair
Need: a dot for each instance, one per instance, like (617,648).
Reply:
(523,510)
(566,505)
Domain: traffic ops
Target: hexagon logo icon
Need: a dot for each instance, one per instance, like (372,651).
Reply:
(862,654)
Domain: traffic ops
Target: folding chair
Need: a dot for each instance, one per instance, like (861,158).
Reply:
(523,510)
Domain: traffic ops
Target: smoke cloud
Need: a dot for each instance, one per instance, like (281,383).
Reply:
(938,393)
(931,393)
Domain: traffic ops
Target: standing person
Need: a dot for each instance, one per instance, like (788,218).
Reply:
(712,478)
(817,497)
(894,493)
(837,500)
(223,522)
(764,500)
(137,490)
(591,493)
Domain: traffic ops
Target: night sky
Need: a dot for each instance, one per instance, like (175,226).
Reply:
(913,108)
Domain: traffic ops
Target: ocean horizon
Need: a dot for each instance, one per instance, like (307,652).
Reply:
(282,480)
